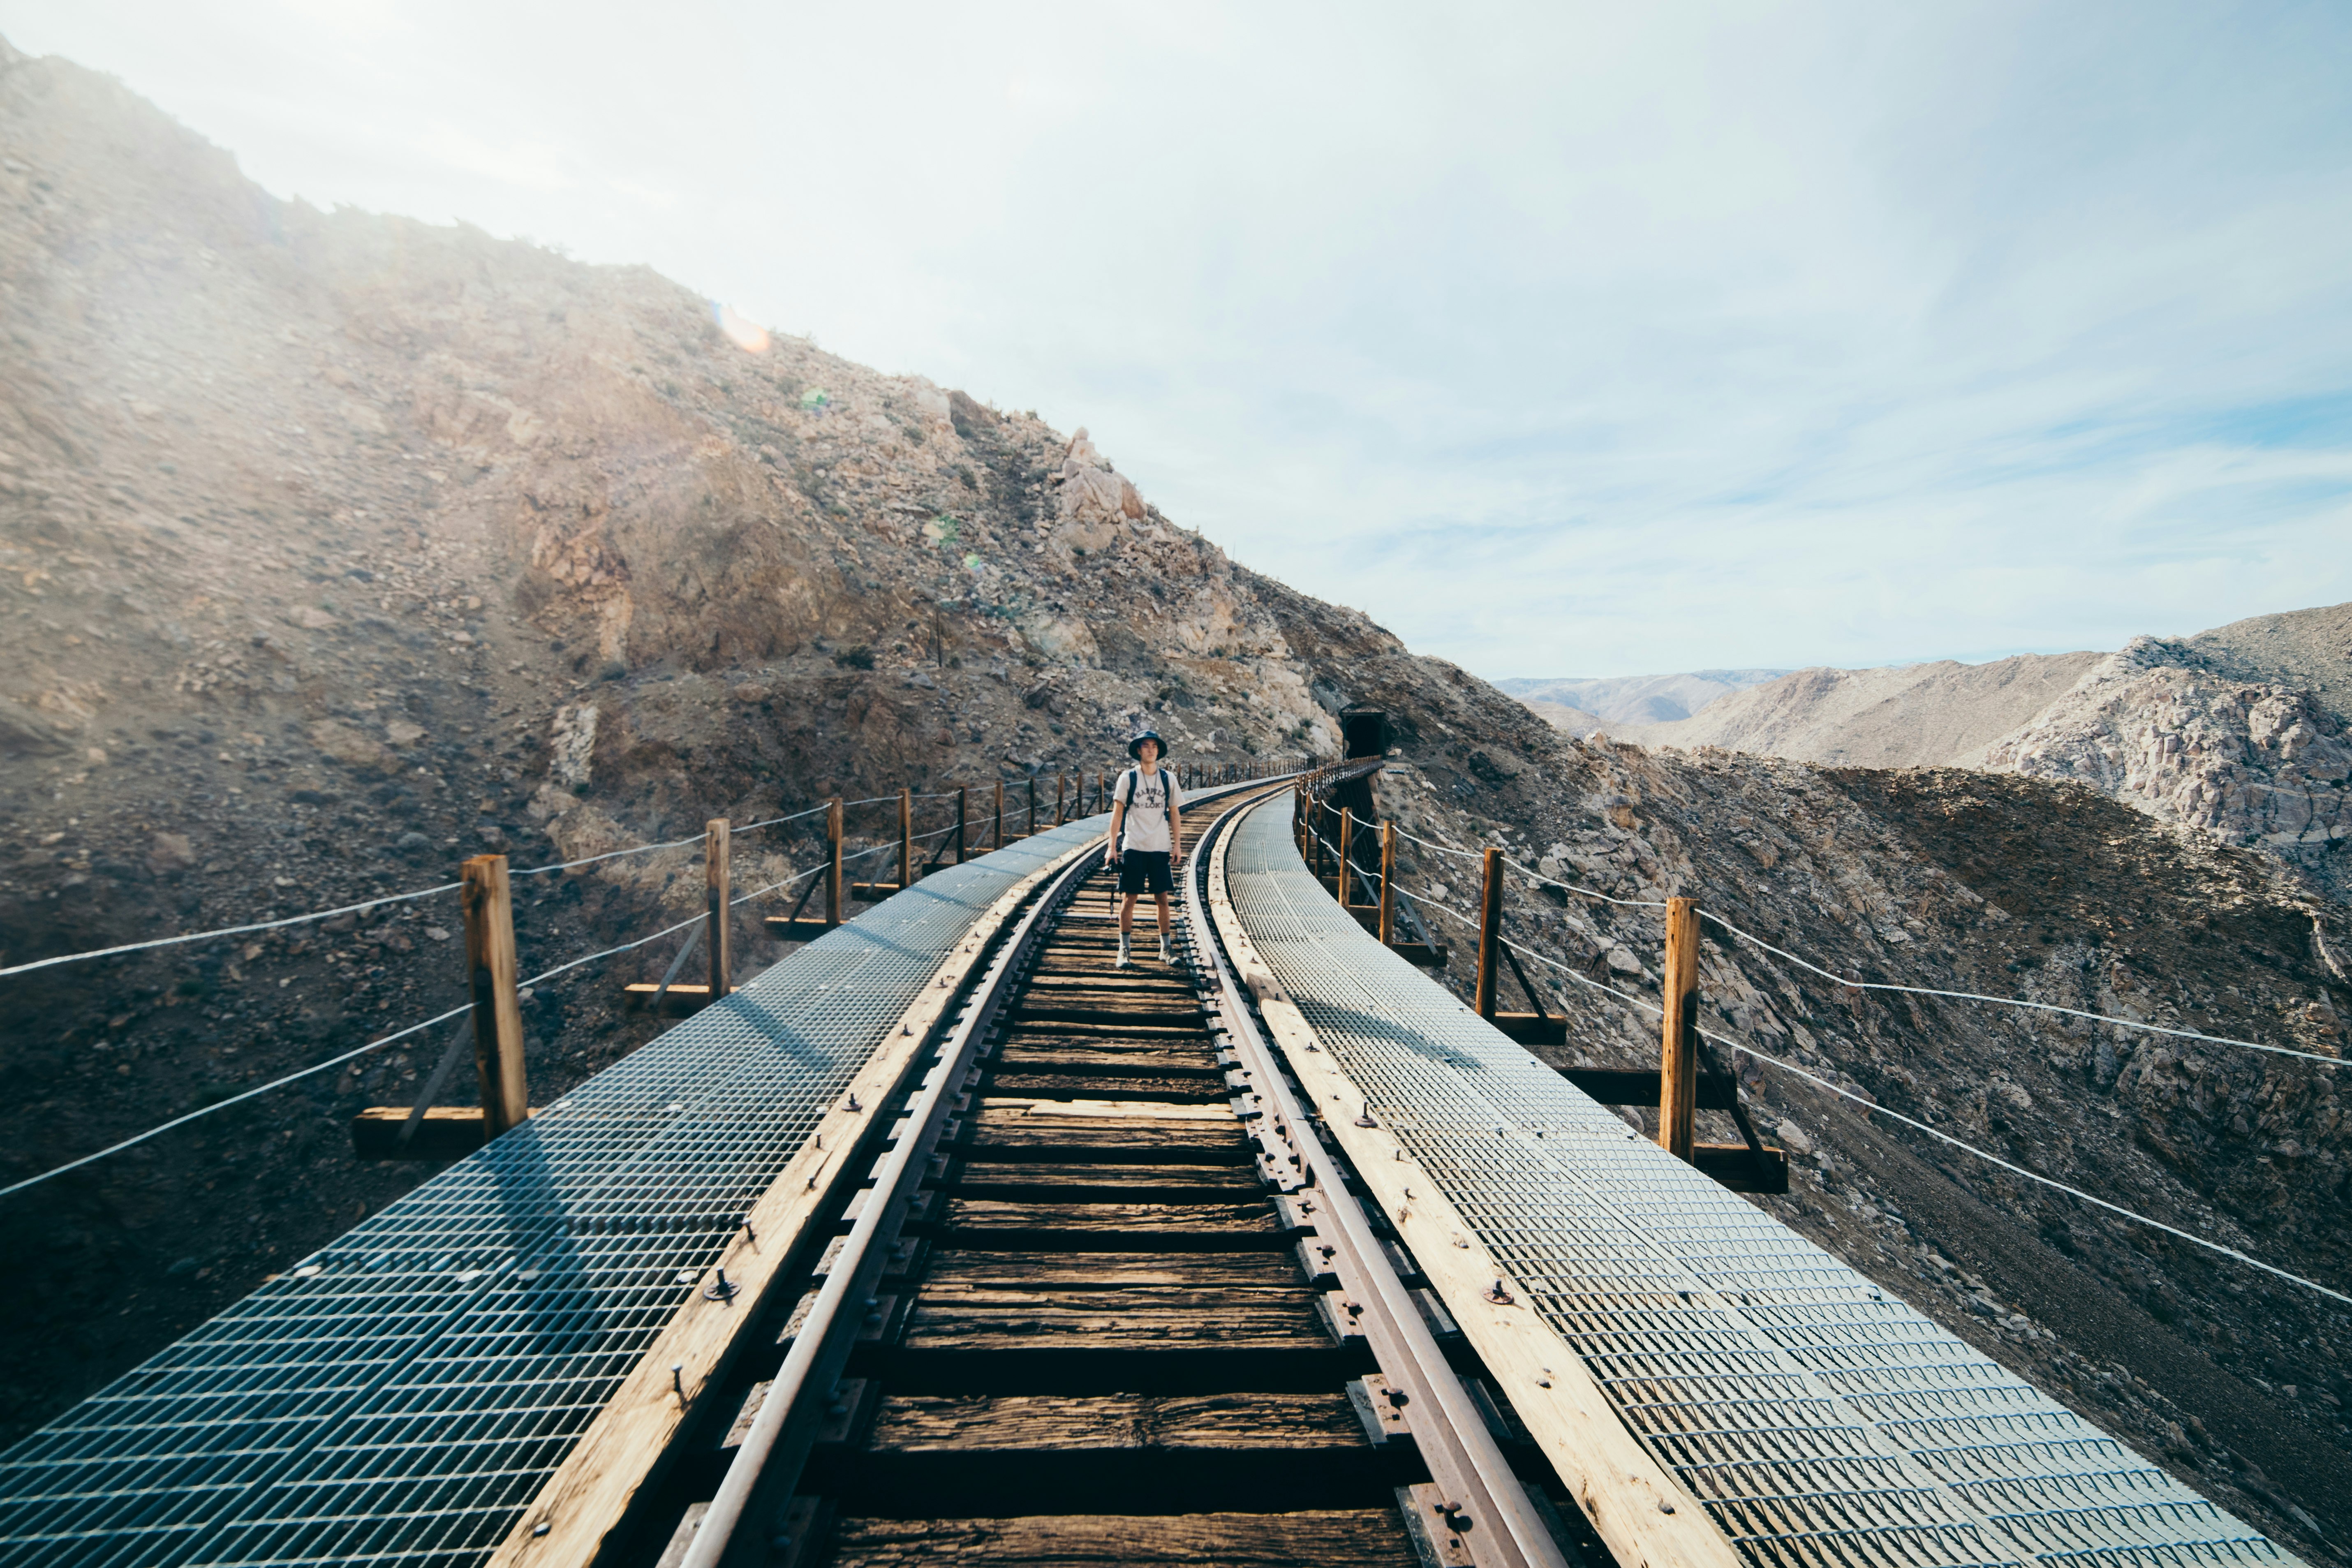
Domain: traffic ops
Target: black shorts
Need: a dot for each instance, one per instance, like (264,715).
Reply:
(1144,871)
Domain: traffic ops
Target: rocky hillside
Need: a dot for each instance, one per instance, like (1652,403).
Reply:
(340,546)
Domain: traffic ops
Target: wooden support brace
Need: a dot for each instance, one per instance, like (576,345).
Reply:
(1347,855)
(1490,931)
(490,974)
(1678,1063)
(1388,881)
(787,928)
(832,871)
(444,1133)
(998,842)
(905,837)
(681,998)
(963,807)
(718,888)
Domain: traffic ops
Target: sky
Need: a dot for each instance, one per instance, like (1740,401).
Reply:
(1564,340)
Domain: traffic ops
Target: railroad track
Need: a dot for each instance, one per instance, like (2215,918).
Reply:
(1104,1298)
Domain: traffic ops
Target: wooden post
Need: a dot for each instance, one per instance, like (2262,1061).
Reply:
(1061,793)
(1347,851)
(717,898)
(490,974)
(1102,791)
(1490,932)
(963,806)
(1388,880)
(833,873)
(1033,804)
(998,843)
(905,839)
(1678,1068)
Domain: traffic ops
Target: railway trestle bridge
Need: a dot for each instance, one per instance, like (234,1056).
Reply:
(944,1241)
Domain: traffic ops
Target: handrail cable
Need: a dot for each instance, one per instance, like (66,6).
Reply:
(222,1105)
(1552,881)
(2020,1003)
(226,931)
(1873,1106)
(2016,1002)
(372,903)
(379,1044)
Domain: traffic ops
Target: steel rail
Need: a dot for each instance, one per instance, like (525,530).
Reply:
(1505,1530)
(859,1264)
(764,1460)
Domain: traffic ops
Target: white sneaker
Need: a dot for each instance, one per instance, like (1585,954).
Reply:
(1122,960)
(1163,950)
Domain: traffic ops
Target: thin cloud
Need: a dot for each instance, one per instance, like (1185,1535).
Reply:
(1565,340)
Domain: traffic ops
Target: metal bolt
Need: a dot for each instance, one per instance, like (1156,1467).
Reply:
(1366,1119)
(1665,1507)
(542,1527)
(678,1380)
(749,1233)
(853,1102)
(720,1290)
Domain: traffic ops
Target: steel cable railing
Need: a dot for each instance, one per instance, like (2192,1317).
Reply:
(1871,1106)
(376,902)
(2017,1002)
(381,1042)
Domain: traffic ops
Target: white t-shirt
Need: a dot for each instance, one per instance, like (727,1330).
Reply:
(1148,798)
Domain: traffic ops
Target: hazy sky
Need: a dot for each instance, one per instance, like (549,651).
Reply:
(1564,339)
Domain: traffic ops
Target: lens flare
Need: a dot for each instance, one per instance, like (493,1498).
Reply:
(742,331)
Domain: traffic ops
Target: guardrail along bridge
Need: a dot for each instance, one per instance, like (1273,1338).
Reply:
(945,1241)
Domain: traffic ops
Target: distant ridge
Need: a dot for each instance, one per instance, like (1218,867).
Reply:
(1636,699)
(2244,731)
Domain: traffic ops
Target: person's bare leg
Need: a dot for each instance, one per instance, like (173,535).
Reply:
(1126,925)
(1166,927)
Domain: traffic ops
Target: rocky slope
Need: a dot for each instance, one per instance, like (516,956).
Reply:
(2161,729)
(340,546)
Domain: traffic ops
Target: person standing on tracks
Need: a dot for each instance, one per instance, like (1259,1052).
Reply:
(1146,835)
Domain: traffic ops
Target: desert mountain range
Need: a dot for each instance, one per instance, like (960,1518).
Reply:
(339,546)
(2240,731)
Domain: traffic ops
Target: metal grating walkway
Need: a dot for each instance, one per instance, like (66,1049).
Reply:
(1818,1420)
(399,1396)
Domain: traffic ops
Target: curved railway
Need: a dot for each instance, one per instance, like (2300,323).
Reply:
(1094,1306)
(944,1241)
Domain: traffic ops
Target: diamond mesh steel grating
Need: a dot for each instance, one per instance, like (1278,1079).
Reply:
(1818,1420)
(399,1395)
